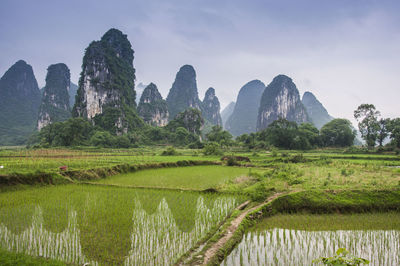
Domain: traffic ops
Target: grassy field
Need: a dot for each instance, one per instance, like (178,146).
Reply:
(190,178)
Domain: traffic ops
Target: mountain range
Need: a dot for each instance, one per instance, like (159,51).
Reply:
(106,96)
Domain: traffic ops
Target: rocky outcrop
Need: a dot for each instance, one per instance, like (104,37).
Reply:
(19,104)
(190,119)
(244,116)
(227,112)
(210,108)
(183,93)
(281,99)
(316,111)
(106,94)
(152,107)
(55,99)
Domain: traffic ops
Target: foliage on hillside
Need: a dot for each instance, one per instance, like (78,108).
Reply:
(111,58)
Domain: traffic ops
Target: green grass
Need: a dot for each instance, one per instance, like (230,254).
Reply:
(331,222)
(191,178)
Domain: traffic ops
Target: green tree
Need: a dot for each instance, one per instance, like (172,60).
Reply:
(102,139)
(212,148)
(281,133)
(73,132)
(248,140)
(394,129)
(310,133)
(338,133)
(383,131)
(217,134)
(367,117)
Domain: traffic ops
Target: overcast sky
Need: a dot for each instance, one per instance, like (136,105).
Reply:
(346,52)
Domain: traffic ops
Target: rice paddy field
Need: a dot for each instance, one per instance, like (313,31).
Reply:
(101,226)
(156,214)
(299,239)
(187,178)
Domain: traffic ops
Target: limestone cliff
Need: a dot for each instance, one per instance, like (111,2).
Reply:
(55,99)
(19,104)
(106,92)
(210,108)
(281,99)
(244,116)
(152,107)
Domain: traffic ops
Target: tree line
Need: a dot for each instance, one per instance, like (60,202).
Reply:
(186,131)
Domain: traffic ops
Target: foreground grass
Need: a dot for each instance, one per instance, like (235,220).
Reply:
(191,178)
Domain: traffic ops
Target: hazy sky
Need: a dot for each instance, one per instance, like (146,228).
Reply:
(346,52)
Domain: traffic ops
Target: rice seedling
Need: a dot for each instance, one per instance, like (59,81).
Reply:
(273,243)
(194,178)
(86,224)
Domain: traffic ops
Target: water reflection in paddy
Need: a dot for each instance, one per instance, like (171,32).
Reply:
(375,237)
(81,224)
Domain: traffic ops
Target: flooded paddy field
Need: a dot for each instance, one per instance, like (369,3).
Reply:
(299,239)
(90,224)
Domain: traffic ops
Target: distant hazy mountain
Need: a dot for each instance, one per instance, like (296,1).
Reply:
(316,111)
(55,106)
(73,89)
(244,116)
(226,113)
(183,93)
(281,99)
(19,104)
(211,108)
(152,107)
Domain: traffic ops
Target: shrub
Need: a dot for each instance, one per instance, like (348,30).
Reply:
(231,161)
(170,151)
(212,148)
(342,257)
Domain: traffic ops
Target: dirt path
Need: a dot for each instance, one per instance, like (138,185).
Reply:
(211,252)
